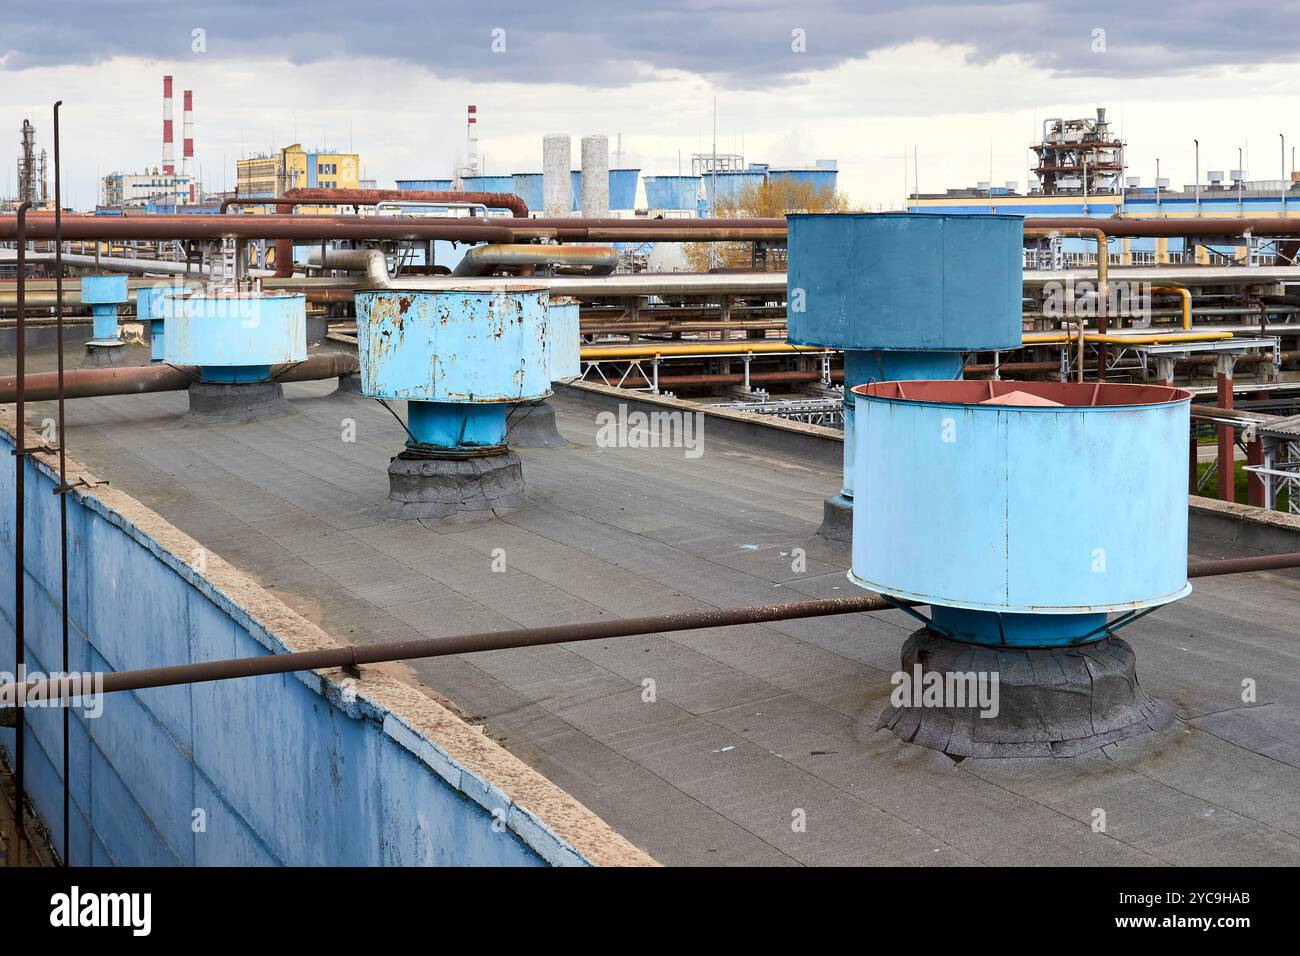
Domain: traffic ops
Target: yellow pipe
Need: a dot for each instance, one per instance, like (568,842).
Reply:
(654,350)
(1103,284)
(694,348)
(1061,338)
(1187,300)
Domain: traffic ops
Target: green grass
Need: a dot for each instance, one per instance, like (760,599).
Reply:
(1211,488)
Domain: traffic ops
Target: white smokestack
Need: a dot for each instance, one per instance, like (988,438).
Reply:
(557,182)
(595,176)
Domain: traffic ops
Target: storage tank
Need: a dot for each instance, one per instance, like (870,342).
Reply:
(672,192)
(528,187)
(458,357)
(904,295)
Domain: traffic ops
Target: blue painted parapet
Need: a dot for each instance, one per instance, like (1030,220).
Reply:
(903,295)
(313,768)
(974,494)
(457,356)
(235,337)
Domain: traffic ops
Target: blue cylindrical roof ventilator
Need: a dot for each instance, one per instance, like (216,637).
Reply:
(903,295)
(104,293)
(235,336)
(151,307)
(970,499)
(458,357)
(532,424)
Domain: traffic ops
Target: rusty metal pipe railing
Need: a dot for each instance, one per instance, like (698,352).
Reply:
(352,656)
(138,379)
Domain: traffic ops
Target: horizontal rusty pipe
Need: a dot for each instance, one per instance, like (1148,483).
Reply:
(1170,228)
(313,196)
(354,655)
(390,228)
(350,197)
(1267,562)
(137,379)
(484,260)
(124,228)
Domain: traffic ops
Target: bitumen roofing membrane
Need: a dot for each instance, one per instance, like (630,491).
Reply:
(760,744)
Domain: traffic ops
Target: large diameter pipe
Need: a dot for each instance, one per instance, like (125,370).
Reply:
(372,263)
(484,260)
(391,228)
(137,379)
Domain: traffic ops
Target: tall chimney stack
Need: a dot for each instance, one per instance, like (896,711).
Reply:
(471,141)
(168,159)
(187,139)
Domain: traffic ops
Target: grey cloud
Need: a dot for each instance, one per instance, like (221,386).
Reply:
(741,43)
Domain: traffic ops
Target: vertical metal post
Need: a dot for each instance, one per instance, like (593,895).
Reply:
(20,468)
(1197,143)
(62,490)
(1255,492)
(1227,448)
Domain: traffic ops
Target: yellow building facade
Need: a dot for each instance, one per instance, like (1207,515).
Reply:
(296,168)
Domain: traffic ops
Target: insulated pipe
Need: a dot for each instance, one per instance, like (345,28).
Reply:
(137,379)
(484,260)
(372,262)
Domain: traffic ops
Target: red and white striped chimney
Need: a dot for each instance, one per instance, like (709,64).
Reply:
(187,139)
(471,141)
(168,159)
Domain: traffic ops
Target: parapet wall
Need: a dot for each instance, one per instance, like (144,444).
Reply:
(310,768)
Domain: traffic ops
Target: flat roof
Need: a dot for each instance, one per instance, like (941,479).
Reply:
(751,724)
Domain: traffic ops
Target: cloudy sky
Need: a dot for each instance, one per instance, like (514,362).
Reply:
(965,84)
